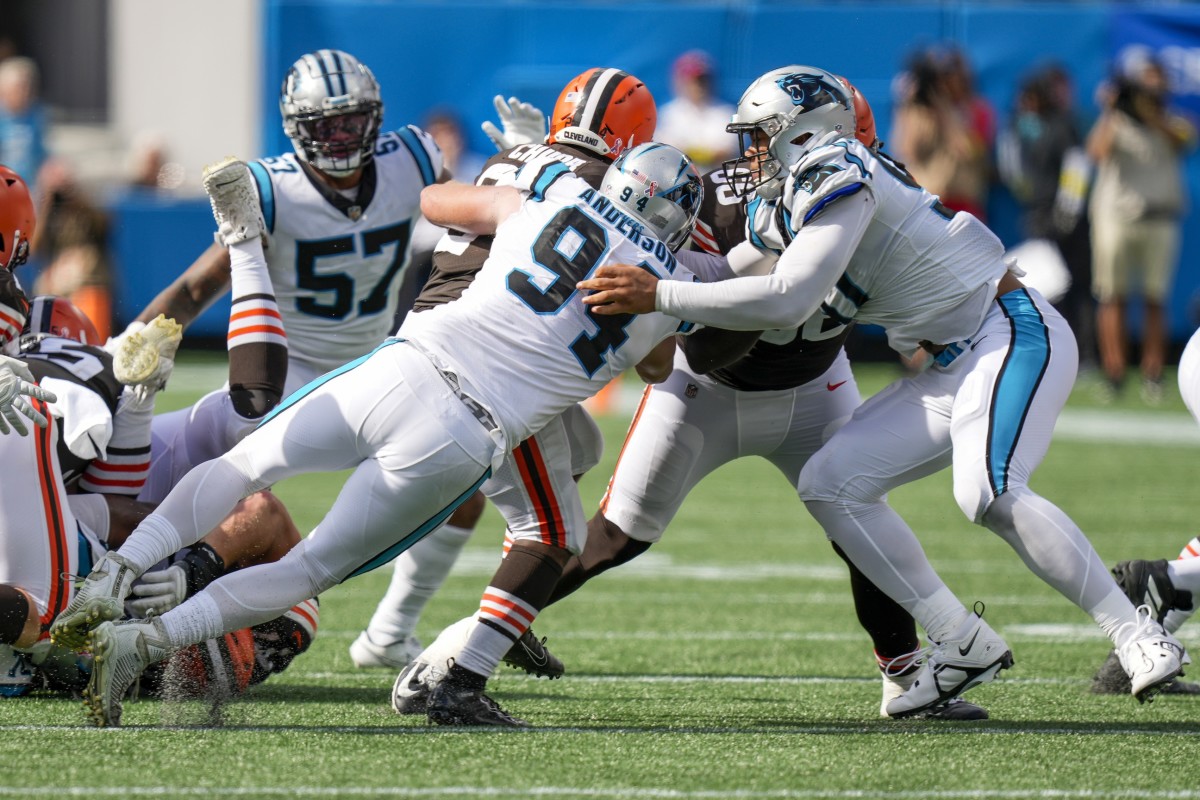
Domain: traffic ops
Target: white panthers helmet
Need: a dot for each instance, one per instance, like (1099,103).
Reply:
(332,111)
(796,108)
(658,185)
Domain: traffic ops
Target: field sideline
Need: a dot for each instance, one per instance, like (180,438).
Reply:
(725,663)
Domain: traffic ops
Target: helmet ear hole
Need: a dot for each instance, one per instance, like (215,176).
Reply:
(802,139)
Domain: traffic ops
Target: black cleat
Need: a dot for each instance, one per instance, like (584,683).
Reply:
(1148,583)
(451,703)
(956,709)
(530,654)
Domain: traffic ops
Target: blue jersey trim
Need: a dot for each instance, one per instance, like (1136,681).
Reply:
(419,154)
(845,191)
(266,193)
(548,176)
(427,527)
(316,383)
(1017,383)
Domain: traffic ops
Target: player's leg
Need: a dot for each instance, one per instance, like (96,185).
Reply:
(535,491)
(899,435)
(417,574)
(420,463)
(682,430)
(1017,381)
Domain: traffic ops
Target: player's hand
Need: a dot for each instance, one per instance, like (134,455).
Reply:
(16,387)
(521,123)
(620,289)
(159,591)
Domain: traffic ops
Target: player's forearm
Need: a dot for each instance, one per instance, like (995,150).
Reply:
(803,277)
(658,364)
(193,291)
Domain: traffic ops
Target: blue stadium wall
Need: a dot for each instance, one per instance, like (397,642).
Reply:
(461,54)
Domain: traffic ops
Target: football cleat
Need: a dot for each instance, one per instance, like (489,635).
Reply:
(1150,656)
(451,703)
(234,200)
(147,356)
(955,709)
(1111,679)
(410,692)
(121,652)
(367,654)
(1148,583)
(530,654)
(972,655)
(101,598)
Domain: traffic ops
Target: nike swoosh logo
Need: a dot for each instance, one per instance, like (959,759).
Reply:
(962,651)
(832,386)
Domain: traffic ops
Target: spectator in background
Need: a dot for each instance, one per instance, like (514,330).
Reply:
(694,119)
(1136,207)
(22,118)
(445,126)
(943,131)
(149,167)
(1041,160)
(71,244)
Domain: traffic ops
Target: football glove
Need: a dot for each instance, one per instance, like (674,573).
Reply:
(159,592)
(521,123)
(16,385)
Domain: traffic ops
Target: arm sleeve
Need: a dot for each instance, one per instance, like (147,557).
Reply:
(707,267)
(804,275)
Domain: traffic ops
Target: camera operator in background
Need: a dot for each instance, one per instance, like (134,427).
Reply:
(1137,205)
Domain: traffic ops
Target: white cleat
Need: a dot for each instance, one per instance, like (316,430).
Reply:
(146,357)
(972,655)
(410,692)
(367,654)
(121,652)
(234,199)
(101,598)
(1151,657)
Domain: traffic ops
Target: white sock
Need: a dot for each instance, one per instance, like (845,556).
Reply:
(248,269)
(886,550)
(1185,575)
(1111,613)
(417,574)
(484,650)
(195,620)
(154,539)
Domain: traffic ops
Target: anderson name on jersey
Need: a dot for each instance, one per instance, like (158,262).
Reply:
(336,260)
(920,271)
(537,348)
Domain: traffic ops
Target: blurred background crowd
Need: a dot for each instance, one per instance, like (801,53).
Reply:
(1097,173)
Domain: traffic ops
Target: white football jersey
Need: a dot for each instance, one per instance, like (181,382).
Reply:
(520,332)
(921,271)
(336,262)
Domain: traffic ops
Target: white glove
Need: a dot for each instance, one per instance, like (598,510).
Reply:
(522,122)
(17,383)
(159,591)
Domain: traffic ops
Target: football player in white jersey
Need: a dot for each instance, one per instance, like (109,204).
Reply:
(338,211)
(422,419)
(599,113)
(858,238)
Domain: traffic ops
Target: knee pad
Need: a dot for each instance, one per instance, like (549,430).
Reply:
(14,611)
(253,403)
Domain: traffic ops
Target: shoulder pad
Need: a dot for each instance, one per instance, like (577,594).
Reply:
(825,175)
